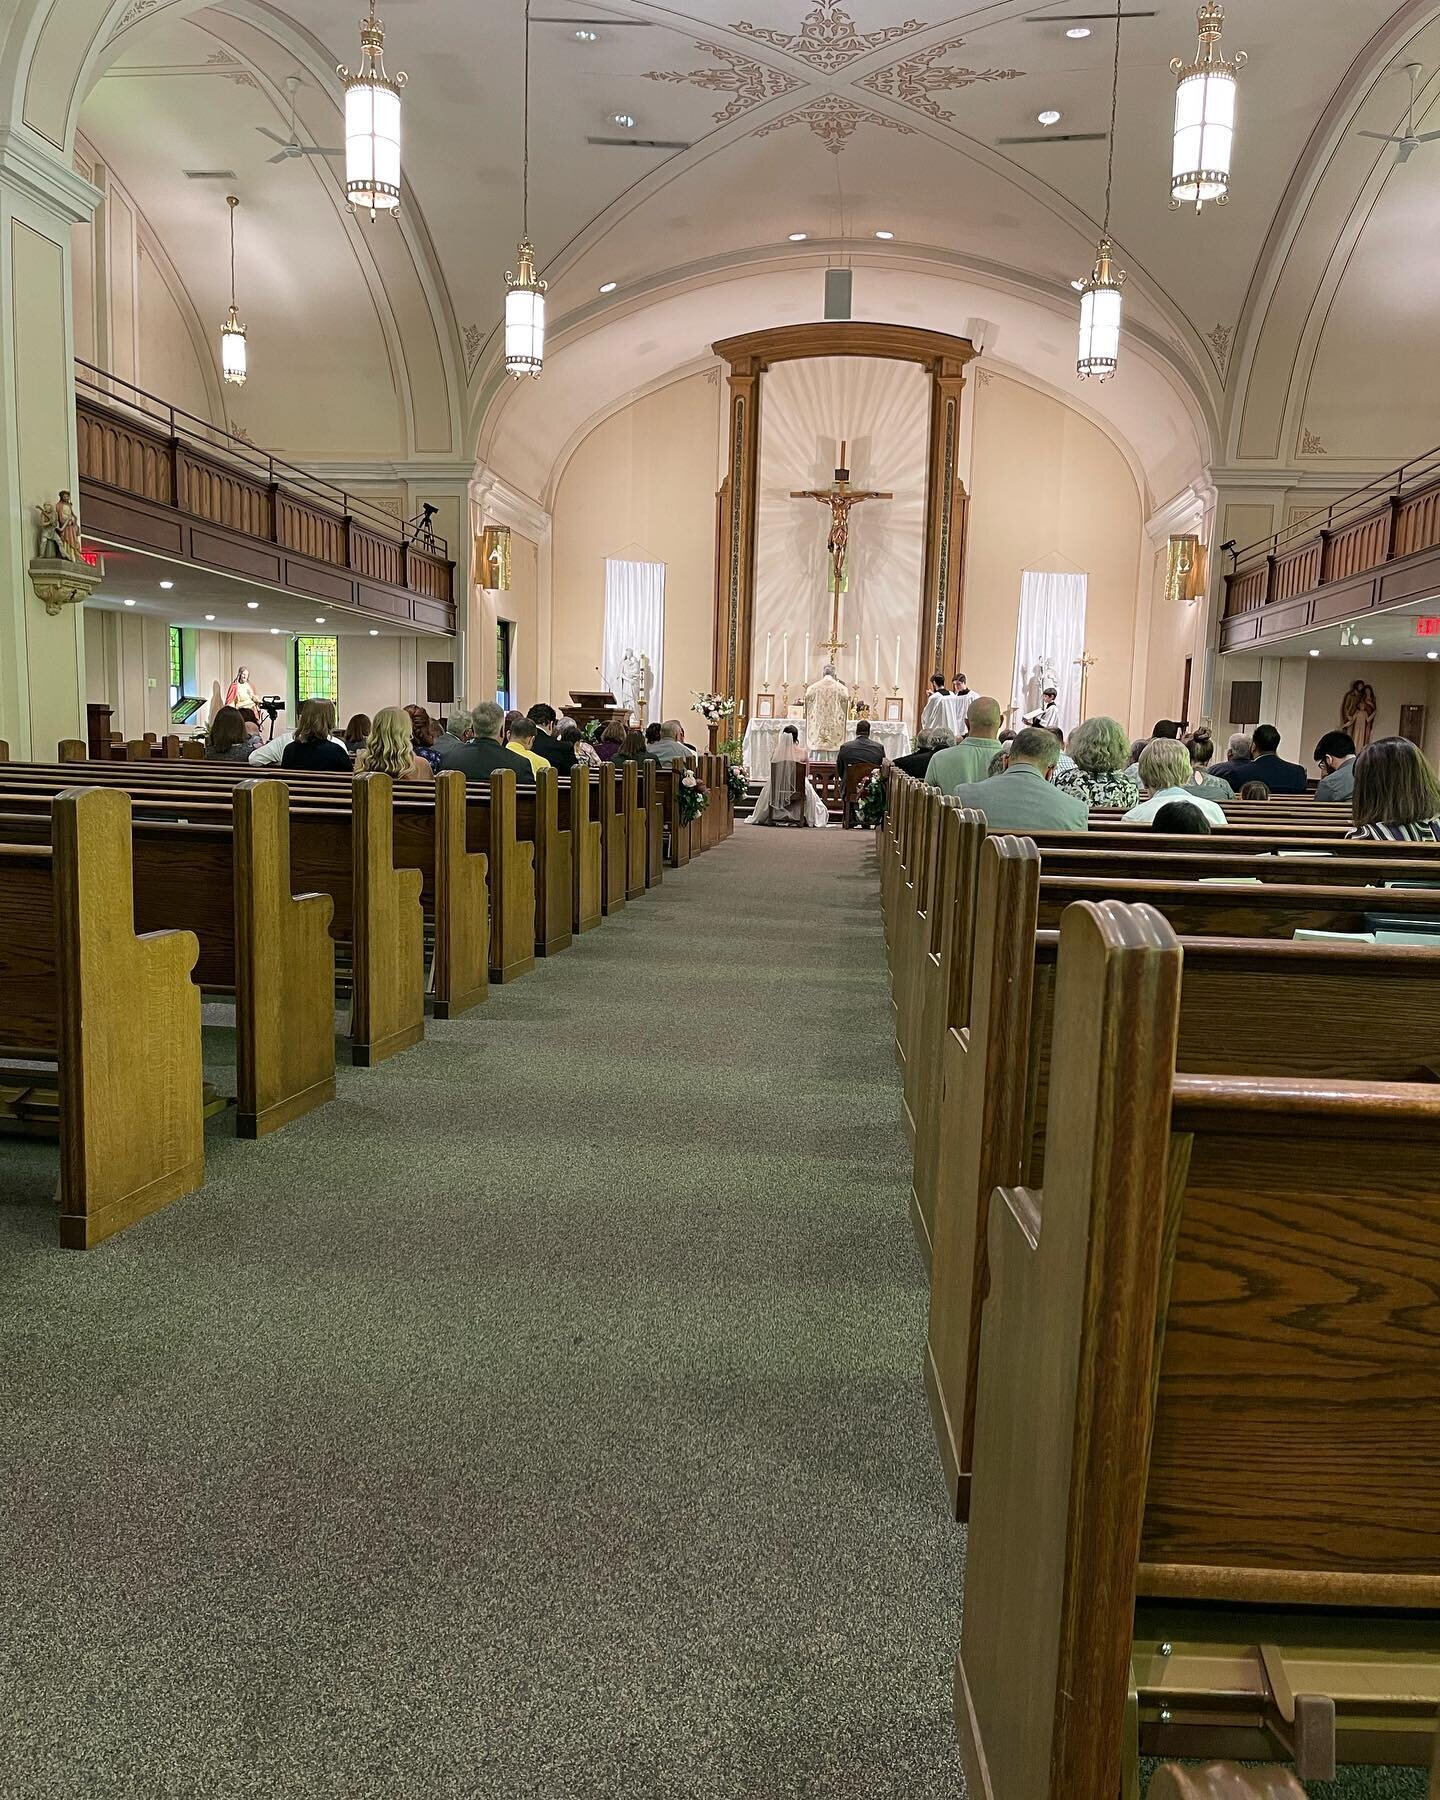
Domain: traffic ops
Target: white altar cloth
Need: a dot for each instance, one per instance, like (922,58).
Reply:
(761,736)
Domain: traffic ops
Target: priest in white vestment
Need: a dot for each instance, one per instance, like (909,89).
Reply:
(827,712)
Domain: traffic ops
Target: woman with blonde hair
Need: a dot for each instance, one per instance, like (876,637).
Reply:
(388,749)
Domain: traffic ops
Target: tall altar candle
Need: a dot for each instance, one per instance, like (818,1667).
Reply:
(805,672)
(857,656)
(877,659)
(897,660)
(767,658)
(785,658)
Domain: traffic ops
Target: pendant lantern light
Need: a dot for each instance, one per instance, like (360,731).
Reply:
(1204,116)
(525,291)
(372,124)
(232,332)
(1102,303)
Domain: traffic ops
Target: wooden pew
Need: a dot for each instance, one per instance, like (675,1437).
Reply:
(679,838)
(652,804)
(1274,1007)
(1209,1368)
(118,1012)
(491,821)
(612,813)
(577,813)
(537,821)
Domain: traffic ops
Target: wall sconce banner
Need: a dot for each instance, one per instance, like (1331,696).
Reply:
(492,558)
(1184,568)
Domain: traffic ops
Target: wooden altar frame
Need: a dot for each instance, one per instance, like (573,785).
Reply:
(946,503)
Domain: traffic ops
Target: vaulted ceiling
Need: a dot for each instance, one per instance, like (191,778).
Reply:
(755,119)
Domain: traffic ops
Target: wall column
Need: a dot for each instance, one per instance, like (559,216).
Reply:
(42,660)
(735,562)
(946,514)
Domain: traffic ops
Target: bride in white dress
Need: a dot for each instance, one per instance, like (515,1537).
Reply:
(791,798)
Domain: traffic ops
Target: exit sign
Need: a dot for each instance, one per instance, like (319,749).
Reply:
(1427,627)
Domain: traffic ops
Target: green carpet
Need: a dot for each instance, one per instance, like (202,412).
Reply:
(543,1418)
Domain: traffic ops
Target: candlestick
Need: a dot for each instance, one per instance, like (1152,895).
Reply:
(767,658)
(897,660)
(805,672)
(785,657)
(857,655)
(877,662)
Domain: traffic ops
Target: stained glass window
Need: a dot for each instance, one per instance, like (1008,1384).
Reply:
(177,665)
(502,661)
(317,668)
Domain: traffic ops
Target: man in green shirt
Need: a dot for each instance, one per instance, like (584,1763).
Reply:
(970,759)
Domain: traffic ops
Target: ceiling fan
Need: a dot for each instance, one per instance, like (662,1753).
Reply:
(1410,141)
(292,146)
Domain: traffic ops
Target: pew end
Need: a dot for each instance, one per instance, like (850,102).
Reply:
(284,971)
(462,906)
(388,996)
(132,1126)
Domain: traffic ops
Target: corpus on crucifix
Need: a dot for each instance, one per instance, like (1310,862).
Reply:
(839,497)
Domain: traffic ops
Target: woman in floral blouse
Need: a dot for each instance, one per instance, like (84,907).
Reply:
(1101,751)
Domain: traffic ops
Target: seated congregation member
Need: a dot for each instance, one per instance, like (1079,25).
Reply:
(1238,757)
(546,744)
(1335,754)
(916,761)
(356,732)
(1396,794)
(452,736)
(653,732)
(1022,797)
(1201,746)
(1067,761)
(634,747)
(1183,816)
(482,753)
(520,739)
(669,746)
(1266,765)
(1254,790)
(1165,773)
(229,738)
(612,736)
(423,734)
(313,745)
(970,758)
(1099,752)
(571,735)
(862,748)
(388,750)
(1162,728)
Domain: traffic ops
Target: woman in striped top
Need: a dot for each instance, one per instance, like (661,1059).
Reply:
(1396,794)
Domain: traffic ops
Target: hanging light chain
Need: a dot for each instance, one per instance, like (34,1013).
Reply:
(525,161)
(1114,100)
(232,201)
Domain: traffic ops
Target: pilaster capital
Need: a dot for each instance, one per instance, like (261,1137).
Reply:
(503,504)
(33,169)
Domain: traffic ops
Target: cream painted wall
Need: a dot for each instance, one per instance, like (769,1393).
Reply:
(521,606)
(1050,491)
(1171,631)
(642,484)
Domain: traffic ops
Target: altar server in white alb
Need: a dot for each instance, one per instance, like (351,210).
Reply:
(1048,713)
(946,710)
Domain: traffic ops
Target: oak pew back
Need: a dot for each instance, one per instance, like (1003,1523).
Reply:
(577,813)
(118,1012)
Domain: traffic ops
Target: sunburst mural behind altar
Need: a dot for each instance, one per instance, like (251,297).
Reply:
(882,409)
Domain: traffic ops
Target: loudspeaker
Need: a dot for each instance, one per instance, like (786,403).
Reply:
(440,682)
(1244,702)
(837,293)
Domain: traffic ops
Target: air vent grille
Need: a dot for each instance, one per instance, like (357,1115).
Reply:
(210,175)
(1058,137)
(626,143)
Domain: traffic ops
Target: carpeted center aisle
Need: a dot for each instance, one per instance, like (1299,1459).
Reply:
(541,1418)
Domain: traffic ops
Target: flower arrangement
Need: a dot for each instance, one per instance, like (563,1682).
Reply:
(735,775)
(870,801)
(712,708)
(693,799)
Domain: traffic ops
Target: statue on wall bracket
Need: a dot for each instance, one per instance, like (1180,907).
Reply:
(60,572)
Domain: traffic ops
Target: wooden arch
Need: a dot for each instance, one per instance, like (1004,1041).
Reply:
(747,357)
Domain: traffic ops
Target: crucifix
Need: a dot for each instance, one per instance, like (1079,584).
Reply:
(839,497)
(1084,662)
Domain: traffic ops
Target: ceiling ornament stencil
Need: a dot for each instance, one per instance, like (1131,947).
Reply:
(915,80)
(827,38)
(137,10)
(1310,445)
(1219,342)
(470,337)
(748,83)
(833,120)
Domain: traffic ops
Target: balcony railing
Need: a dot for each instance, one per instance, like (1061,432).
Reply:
(1396,515)
(135,443)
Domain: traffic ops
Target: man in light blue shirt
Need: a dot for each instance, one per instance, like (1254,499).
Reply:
(1021,797)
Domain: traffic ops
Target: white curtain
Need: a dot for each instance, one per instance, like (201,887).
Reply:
(634,620)
(1049,639)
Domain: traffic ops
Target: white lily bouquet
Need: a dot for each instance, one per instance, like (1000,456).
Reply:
(712,708)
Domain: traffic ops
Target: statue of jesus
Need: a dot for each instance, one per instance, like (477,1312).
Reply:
(827,712)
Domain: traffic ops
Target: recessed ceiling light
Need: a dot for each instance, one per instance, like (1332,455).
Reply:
(167,584)
(886,235)
(1367,640)
(1431,655)
(1078,31)
(626,121)
(582,36)
(129,602)
(374,634)
(1048,117)
(798,237)
(1314,652)
(253,605)
(608,287)
(320,621)
(209,618)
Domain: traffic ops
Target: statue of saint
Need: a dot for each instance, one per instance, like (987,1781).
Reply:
(1357,712)
(60,529)
(827,712)
(629,678)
